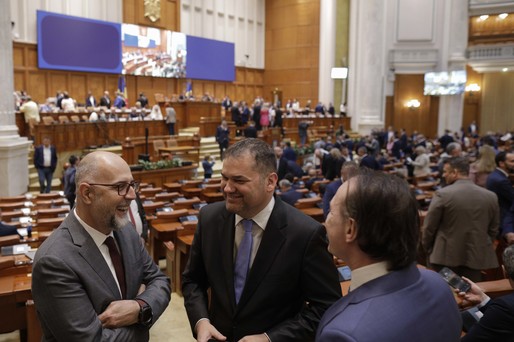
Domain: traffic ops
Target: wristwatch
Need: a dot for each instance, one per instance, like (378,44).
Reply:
(145,313)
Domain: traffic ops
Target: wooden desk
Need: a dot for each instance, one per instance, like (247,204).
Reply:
(15,290)
(159,178)
(316,213)
(192,152)
(182,248)
(159,233)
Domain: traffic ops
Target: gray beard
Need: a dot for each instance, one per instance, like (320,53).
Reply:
(118,223)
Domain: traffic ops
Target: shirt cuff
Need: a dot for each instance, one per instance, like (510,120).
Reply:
(269,339)
(484,302)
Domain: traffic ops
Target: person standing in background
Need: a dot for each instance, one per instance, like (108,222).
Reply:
(69,180)
(222,137)
(207,164)
(90,100)
(45,161)
(171,118)
(30,111)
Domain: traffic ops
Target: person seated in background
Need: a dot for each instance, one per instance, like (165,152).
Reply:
(250,131)
(119,101)
(93,117)
(497,316)
(6,229)
(207,164)
(373,226)
(156,113)
(287,193)
(289,152)
(315,176)
(67,103)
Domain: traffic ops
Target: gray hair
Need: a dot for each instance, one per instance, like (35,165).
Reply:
(508,261)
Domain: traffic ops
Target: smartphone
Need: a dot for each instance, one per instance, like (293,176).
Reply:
(455,280)
(344,273)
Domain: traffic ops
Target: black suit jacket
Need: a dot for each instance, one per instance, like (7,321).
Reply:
(497,324)
(292,267)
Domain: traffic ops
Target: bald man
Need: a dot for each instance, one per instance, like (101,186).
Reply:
(92,278)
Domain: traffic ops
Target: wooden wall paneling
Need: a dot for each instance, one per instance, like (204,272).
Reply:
(57,80)
(31,56)
(208,88)
(240,93)
(129,11)
(219,90)
(36,86)
(230,90)
(95,84)
(78,87)
(18,56)
(20,80)
(389,112)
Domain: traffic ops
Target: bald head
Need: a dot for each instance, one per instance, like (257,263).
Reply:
(100,167)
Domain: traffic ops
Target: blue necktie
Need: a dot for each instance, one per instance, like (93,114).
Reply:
(243,256)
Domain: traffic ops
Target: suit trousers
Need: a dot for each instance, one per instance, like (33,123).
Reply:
(45,175)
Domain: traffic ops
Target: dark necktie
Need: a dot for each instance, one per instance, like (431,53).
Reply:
(118,264)
(243,257)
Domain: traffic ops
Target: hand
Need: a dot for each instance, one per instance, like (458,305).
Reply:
(120,313)
(509,238)
(473,297)
(255,338)
(205,331)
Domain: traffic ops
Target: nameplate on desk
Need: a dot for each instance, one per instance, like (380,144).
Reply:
(122,119)
(164,209)
(180,199)
(62,215)
(25,211)
(188,218)
(15,249)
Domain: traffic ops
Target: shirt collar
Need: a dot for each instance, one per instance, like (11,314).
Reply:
(98,237)
(262,218)
(365,274)
(503,171)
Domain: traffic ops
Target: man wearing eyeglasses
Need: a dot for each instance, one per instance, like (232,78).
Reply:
(92,278)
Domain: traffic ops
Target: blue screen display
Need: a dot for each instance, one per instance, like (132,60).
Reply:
(72,43)
(209,59)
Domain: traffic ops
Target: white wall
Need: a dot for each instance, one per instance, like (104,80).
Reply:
(236,21)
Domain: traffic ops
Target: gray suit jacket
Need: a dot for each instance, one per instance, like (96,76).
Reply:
(460,226)
(72,284)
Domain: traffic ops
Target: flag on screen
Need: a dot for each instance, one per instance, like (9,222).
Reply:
(189,89)
(122,88)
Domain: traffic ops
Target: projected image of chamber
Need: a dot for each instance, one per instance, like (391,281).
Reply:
(445,83)
(152,52)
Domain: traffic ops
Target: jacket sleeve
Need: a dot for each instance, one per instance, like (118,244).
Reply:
(431,223)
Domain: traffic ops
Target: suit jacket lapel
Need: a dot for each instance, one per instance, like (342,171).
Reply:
(226,234)
(90,252)
(272,241)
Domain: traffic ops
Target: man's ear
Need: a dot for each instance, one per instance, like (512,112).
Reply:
(85,193)
(271,181)
(351,230)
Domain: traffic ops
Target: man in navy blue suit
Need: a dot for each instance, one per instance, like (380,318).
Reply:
(499,183)
(348,170)
(497,322)
(45,161)
(287,193)
(373,226)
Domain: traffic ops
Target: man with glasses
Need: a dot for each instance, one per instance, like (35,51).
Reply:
(92,278)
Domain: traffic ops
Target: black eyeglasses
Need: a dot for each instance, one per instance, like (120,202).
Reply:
(122,187)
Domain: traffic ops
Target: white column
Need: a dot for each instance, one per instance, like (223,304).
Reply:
(327,36)
(366,101)
(14,176)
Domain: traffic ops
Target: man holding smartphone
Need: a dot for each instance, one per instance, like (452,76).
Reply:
(461,224)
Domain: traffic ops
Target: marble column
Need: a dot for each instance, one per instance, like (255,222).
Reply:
(327,37)
(367,63)
(14,175)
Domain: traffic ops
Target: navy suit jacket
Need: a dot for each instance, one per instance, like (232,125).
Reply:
(497,324)
(370,162)
(330,192)
(39,158)
(6,230)
(405,305)
(291,196)
(498,183)
(292,268)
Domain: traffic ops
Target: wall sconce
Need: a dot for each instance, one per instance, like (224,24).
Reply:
(472,88)
(411,104)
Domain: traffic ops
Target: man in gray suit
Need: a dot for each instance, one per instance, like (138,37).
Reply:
(461,224)
(92,278)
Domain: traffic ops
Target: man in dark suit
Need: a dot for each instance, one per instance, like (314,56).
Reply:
(250,131)
(348,170)
(289,152)
(497,322)
(499,183)
(90,100)
(92,278)
(461,224)
(370,161)
(287,193)
(143,100)
(45,161)
(265,263)
(373,226)
(281,163)
(105,101)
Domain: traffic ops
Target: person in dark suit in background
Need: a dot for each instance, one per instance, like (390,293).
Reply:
(497,322)
(143,100)
(6,229)
(499,183)
(92,279)
(289,152)
(250,131)
(45,161)
(287,193)
(105,100)
(207,164)
(348,170)
(281,162)
(69,180)
(90,100)
(265,263)
(373,226)
(222,137)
